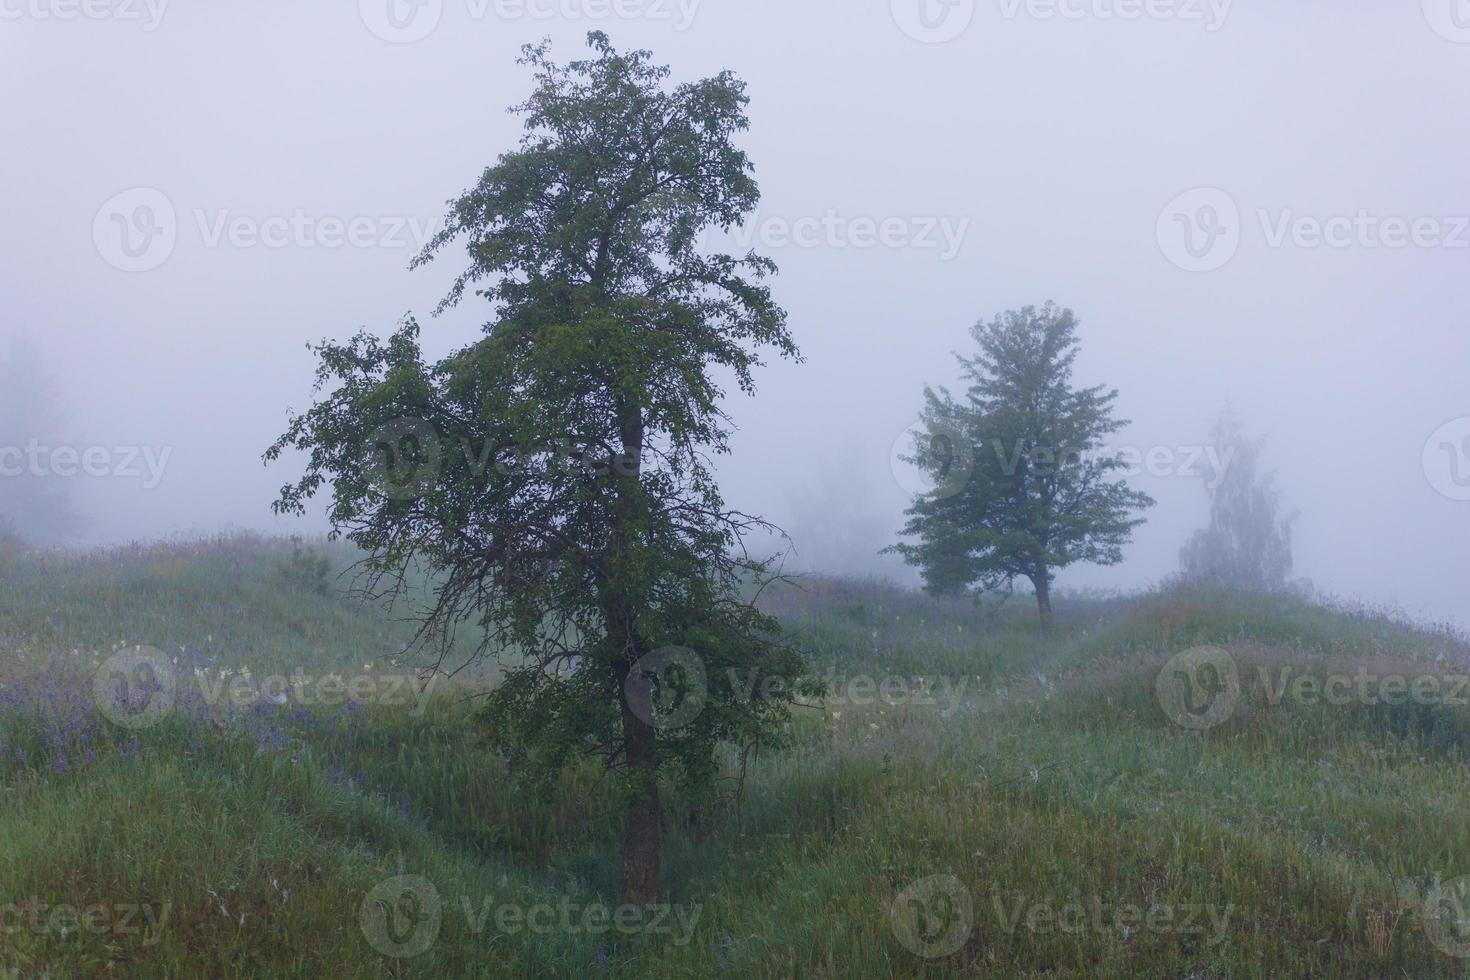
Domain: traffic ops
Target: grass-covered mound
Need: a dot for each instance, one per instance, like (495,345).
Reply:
(975,798)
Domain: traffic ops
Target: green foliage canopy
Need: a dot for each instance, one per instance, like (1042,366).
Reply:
(554,476)
(1023,481)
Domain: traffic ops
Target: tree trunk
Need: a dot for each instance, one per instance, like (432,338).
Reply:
(1042,581)
(641,841)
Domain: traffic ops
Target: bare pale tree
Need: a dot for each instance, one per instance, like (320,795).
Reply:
(1247,544)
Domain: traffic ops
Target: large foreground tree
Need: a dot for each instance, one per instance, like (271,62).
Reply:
(1023,483)
(553,477)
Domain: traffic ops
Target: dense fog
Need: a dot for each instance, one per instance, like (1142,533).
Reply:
(1252,205)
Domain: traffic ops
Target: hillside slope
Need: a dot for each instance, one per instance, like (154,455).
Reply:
(974,799)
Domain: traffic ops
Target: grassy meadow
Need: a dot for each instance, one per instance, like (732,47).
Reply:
(974,798)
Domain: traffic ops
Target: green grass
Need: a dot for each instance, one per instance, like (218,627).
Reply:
(1043,779)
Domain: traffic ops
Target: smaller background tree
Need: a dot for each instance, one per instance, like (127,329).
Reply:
(1247,544)
(1023,482)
